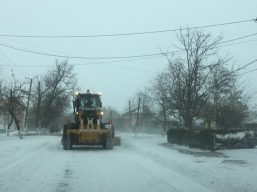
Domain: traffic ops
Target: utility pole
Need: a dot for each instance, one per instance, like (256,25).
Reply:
(215,101)
(27,108)
(10,108)
(38,106)
(138,108)
(130,116)
(12,112)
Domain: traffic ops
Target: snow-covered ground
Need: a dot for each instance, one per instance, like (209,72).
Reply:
(142,163)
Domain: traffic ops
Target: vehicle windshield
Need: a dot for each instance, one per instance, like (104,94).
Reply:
(89,101)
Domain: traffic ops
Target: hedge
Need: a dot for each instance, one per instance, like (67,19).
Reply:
(210,139)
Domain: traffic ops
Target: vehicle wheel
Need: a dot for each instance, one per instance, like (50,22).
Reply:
(67,145)
(104,142)
(113,132)
(109,143)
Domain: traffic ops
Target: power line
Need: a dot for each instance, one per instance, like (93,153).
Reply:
(123,60)
(81,57)
(11,62)
(247,72)
(117,61)
(236,70)
(161,55)
(112,57)
(23,43)
(245,66)
(238,38)
(91,63)
(241,42)
(127,34)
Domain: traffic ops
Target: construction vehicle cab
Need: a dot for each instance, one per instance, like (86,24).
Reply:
(88,128)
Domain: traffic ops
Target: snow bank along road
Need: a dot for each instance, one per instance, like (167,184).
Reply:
(142,163)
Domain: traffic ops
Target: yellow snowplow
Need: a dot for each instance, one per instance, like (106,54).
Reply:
(88,127)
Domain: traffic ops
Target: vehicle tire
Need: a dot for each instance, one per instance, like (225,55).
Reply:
(67,145)
(113,132)
(109,143)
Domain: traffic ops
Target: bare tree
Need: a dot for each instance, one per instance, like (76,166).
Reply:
(8,120)
(142,107)
(55,92)
(191,72)
(12,102)
(160,94)
(230,103)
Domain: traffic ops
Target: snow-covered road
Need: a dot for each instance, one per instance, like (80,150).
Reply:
(142,163)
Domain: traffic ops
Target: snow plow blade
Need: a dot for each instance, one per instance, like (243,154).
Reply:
(117,141)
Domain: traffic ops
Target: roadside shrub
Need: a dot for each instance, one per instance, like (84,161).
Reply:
(210,139)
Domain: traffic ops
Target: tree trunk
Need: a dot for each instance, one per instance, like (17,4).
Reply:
(18,126)
(9,124)
(188,122)
(164,121)
(13,116)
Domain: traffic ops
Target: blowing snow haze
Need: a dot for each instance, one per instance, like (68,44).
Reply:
(164,96)
(114,45)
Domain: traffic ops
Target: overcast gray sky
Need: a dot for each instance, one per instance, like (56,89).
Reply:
(118,80)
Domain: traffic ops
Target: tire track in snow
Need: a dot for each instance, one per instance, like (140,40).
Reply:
(150,157)
(35,166)
(63,186)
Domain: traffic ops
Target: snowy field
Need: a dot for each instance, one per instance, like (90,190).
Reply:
(142,163)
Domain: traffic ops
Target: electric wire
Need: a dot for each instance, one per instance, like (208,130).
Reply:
(22,45)
(117,61)
(238,38)
(10,61)
(245,66)
(241,42)
(82,57)
(252,70)
(111,57)
(127,34)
